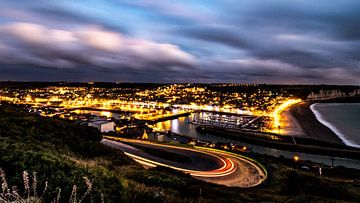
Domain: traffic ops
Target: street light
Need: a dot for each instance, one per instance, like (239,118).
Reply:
(296,158)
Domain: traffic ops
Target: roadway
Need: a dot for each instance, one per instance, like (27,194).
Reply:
(206,164)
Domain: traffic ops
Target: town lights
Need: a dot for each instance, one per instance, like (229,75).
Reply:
(296,158)
(276,114)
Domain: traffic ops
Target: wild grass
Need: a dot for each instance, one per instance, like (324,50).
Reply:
(30,195)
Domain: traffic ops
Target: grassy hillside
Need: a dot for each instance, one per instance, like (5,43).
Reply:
(60,153)
(63,153)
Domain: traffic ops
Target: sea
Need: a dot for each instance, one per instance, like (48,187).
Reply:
(342,118)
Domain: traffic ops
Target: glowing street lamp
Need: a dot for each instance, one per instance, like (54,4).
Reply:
(296,158)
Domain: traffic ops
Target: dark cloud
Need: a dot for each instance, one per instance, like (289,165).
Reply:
(90,47)
(215,34)
(68,17)
(262,41)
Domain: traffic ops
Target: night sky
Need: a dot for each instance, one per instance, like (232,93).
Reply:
(242,41)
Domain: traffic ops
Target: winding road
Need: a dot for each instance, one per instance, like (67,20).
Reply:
(206,164)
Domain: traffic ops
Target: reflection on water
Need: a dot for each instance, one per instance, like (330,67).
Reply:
(182,126)
(107,114)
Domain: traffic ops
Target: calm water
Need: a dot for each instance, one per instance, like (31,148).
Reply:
(342,119)
(98,113)
(181,126)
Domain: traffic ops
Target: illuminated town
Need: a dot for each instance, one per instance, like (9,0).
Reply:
(221,126)
(139,101)
(153,104)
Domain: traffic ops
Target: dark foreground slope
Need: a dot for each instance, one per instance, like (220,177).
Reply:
(60,153)
(63,153)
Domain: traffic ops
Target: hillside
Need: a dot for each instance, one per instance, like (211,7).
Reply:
(62,153)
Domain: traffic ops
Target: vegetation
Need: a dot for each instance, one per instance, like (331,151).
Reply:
(288,181)
(62,154)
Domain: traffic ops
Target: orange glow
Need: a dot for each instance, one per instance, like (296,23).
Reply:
(296,158)
(276,114)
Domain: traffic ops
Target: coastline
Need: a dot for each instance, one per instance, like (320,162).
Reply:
(291,126)
(333,128)
(311,126)
(286,143)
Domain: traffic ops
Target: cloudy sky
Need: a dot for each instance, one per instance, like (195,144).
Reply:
(247,41)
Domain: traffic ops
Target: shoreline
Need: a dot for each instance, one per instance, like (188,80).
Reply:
(292,126)
(333,128)
(302,145)
(311,126)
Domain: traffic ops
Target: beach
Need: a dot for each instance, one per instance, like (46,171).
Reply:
(310,126)
(290,125)
(342,119)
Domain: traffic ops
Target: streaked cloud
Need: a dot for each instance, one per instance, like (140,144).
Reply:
(274,41)
(37,45)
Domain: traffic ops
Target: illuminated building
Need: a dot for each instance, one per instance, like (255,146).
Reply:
(103,125)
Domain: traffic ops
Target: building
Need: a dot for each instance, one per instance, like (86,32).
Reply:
(325,94)
(103,125)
